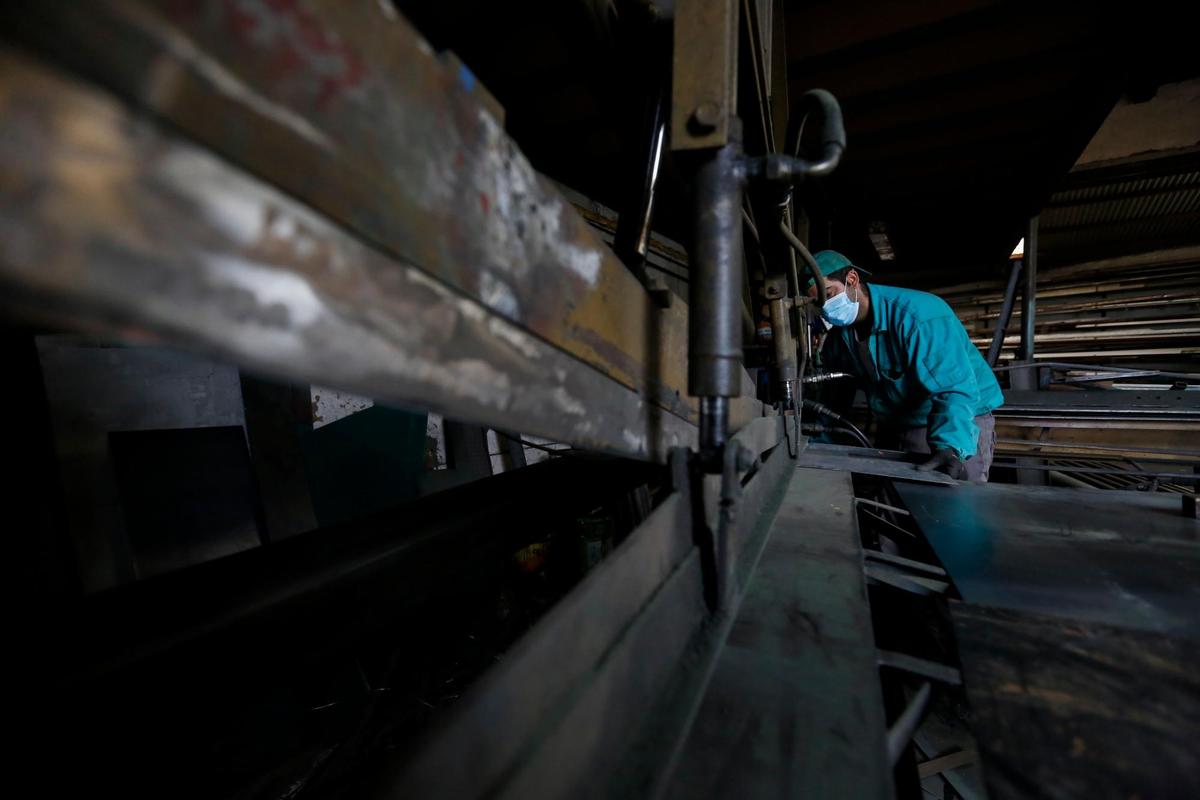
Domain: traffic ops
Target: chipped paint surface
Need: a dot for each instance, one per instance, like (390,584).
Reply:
(496,294)
(162,82)
(527,219)
(330,405)
(156,237)
(394,149)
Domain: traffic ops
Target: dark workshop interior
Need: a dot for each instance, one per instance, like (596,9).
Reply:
(467,399)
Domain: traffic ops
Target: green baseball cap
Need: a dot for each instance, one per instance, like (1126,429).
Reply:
(831,261)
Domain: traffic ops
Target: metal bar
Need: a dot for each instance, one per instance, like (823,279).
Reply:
(1029,299)
(401,146)
(901,561)
(1010,295)
(885,467)
(951,761)
(876,504)
(1182,477)
(704,74)
(905,582)
(133,231)
(382,562)
(631,240)
(1065,365)
(934,671)
(1040,443)
(1165,403)
(901,732)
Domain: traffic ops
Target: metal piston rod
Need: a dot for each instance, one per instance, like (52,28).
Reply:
(714,326)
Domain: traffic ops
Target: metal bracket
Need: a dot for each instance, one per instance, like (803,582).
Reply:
(704,82)
(935,671)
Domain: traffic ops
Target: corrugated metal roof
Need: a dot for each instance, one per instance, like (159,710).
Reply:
(1127,214)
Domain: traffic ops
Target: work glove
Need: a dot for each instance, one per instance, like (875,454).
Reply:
(947,461)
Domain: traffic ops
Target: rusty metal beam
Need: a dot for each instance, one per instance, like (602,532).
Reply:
(704,73)
(626,658)
(345,107)
(116,225)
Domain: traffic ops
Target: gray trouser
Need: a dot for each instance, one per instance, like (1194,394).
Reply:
(914,440)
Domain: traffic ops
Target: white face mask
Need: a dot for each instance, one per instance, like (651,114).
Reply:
(839,310)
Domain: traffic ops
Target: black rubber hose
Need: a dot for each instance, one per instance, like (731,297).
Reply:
(836,417)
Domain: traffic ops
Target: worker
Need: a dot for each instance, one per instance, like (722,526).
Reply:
(929,389)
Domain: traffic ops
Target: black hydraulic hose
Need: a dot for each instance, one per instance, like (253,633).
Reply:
(825,410)
(853,433)
(833,130)
(809,261)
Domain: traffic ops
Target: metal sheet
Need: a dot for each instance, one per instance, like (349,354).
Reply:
(595,698)
(398,144)
(1070,709)
(795,708)
(111,223)
(1121,558)
(866,465)
(704,73)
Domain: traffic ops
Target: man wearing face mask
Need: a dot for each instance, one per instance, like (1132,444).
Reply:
(929,388)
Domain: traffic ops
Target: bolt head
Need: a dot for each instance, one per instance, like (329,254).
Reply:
(706,117)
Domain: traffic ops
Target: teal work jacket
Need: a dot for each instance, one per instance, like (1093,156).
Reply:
(927,372)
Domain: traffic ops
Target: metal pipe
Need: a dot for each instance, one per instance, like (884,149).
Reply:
(1029,300)
(901,732)
(1010,296)
(1119,371)
(809,261)
(826,376)
(1180,477)
(833,140)
(715,290)
(714,423)
(632,240)
(785,345)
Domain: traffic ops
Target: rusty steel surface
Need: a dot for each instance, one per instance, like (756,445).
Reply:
(345,107)
(118,226)
(622,661)
(704,73)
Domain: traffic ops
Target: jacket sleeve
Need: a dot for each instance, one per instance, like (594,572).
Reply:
(942,367)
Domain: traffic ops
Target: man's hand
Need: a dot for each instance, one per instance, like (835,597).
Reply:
(947,461)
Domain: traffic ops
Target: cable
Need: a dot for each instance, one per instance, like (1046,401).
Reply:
(852,433)
(526,443)
(829,412)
